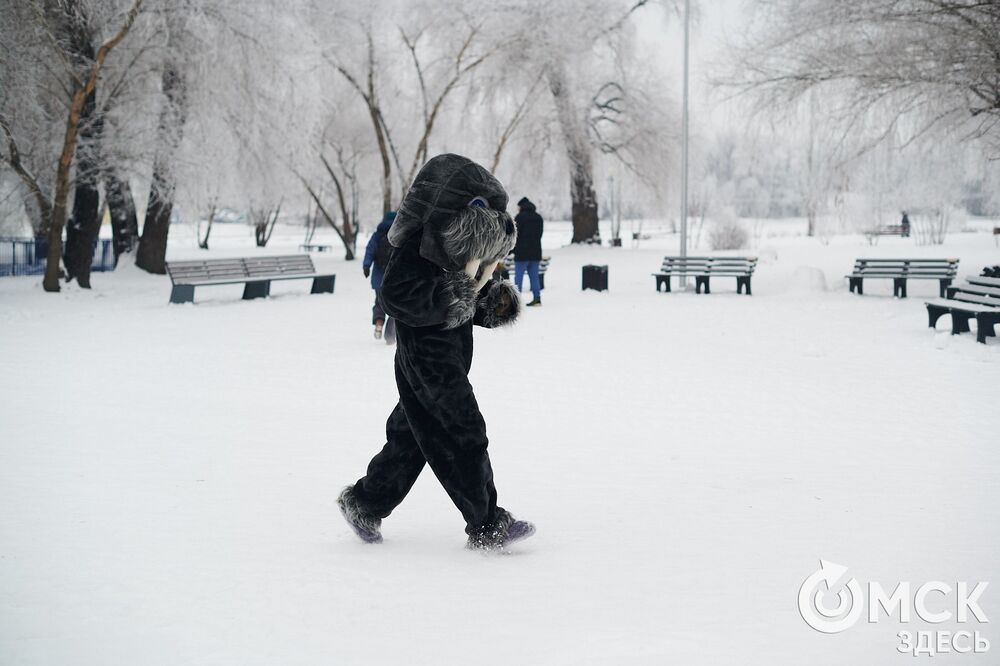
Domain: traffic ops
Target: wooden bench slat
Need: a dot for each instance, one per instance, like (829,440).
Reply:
(255,273)
(701,272)
(223,281)
(964,306)
(916,274)
(980,291)
(983,280)
(912,260)
(972,298)
(240,269)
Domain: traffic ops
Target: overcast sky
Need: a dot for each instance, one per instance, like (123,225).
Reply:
(717,21)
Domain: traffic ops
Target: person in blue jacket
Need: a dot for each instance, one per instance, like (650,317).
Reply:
(377,254)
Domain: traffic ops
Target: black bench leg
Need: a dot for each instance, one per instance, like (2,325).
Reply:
(182,293)
(699,281)
(945,283)
(856,286)
(899,287)
(541,281)
(960,322)
(934,312)
(259,289)
(742,283)
(664,281)
(985,322)
(323,285)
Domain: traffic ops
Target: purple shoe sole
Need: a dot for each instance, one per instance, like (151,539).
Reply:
(518,531)
(366,535)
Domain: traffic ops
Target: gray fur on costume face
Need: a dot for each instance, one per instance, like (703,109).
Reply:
(460,292)
(479,233)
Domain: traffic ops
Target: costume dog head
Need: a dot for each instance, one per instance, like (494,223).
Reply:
(460,209)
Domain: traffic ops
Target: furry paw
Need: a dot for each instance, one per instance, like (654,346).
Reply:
(499,306)
(460,295)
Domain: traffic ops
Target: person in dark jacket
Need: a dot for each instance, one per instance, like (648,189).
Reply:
(905,225)
(376,260)
(528,251)
(451,230)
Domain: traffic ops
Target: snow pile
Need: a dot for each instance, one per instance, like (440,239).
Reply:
(807,280)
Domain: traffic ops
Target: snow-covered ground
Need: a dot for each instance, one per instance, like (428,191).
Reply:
(168,473)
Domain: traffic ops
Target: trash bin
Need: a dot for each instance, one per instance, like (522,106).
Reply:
(595,277)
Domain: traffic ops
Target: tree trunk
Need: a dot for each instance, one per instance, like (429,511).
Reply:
(51,280)
(582,195)
(84,226)
(584,212)
(54,256)
(124,222)
(348,235)
(152,253)
(329,219)
(203,243)
(264,223)
(311,220)
(383,151)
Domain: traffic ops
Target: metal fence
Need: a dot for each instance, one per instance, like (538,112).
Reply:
(26,256)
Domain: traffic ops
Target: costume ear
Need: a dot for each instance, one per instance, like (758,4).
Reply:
(402,228)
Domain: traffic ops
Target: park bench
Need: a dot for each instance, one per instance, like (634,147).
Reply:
(256,273)
(314,247)
(508,269)
(887,230)
(978,298)
(705,268)
(901,270)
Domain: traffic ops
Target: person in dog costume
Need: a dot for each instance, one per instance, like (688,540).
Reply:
(450,232)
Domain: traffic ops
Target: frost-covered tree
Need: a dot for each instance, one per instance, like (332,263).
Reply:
(600,106)
(930,63)
(418,61)
(53,56)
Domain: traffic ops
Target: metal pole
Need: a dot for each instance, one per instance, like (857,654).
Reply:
(684,137)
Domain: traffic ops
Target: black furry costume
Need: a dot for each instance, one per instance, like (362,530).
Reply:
(450,231)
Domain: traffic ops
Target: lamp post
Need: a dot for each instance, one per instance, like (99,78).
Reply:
(684,137)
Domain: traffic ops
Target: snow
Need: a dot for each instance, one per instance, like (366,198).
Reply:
(168,473)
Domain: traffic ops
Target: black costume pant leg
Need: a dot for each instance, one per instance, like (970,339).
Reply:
(393,471)
(444,418)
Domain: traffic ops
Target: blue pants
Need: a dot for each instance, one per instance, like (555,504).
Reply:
(532,268)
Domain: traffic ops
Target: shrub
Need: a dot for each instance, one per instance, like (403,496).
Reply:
(728,234)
